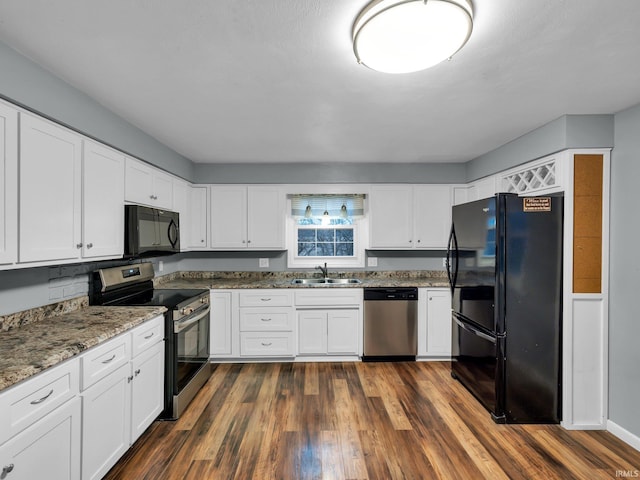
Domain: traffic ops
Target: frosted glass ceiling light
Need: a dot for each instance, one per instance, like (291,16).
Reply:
(403,36)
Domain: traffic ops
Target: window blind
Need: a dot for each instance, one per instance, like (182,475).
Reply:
(331,203)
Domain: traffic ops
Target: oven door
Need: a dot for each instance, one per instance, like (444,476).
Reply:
(191,337)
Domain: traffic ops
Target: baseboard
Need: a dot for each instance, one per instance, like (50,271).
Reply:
(623,434)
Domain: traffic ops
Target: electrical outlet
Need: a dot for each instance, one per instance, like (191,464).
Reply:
(372,261)
(264,263)
(160,266)
(444,262)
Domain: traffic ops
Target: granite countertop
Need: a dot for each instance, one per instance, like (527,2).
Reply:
(31,348)
(240,280)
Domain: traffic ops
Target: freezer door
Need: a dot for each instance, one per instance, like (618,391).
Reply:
(475,363)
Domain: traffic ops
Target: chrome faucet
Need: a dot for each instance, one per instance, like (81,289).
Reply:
(324,270)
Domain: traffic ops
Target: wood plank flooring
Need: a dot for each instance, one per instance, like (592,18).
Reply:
(407,420)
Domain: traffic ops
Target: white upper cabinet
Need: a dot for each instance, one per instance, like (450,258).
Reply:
(103,202)
(391,216)
(265,218)
(8,184)
(197,226)
(247,217)
(181,205)
(146,185)
(431,216)
(410,216)
(50,191)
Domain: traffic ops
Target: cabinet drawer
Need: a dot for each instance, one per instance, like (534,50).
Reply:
(268,319)
(27,402)
(328,297)
(100,361)
(147,334)
(266,344)
(266,298)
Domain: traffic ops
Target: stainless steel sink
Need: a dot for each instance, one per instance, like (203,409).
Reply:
(316,281)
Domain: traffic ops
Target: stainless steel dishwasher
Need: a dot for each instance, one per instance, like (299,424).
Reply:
(390,324)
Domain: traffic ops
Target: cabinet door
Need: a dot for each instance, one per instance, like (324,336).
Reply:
(138,183)
(432,216)
(162,189)
(49,449)
(198,219)
(147,389)
(312,332)
(342,332)
(8,184)
(265,218)
(50,191)
(105,423)
(102,202)
(228,217)
(391,221)
(220,327)
(439,322)
(181,197)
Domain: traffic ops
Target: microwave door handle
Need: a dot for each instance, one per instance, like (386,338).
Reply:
(182,324)
(172,227)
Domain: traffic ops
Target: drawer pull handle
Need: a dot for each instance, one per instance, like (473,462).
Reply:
(129,379)
(265,344)
(36,402)
(149,336)
(109,360)
(137,372)
(6,469)
(265,319)
(265,299)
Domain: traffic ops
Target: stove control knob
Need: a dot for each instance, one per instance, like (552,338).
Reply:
(204,300)
(187,310)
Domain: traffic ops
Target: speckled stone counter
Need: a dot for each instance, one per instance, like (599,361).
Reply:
(33,347)
(234,280)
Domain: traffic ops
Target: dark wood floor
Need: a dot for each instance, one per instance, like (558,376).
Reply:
(358,421)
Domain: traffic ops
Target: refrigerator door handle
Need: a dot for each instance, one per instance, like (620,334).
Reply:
(448,258)
(455,251)
(472,330)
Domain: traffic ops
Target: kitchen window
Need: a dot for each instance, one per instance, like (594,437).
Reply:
(326,228)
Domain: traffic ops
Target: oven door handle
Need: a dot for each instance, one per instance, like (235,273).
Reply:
(184,323)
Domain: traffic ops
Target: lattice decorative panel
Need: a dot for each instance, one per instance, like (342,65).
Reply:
(534,178)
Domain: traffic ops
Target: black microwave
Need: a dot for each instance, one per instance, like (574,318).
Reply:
(150,231)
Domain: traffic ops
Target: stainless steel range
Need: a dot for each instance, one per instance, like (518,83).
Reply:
(186,326)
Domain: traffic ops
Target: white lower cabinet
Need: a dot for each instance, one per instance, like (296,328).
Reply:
(328,332)
(50,448)
(123,393)
(266,323)
(40,426)
(329,321)
(434,322)
(220,328)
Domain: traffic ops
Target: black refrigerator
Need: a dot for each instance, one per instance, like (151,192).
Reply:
(504,264)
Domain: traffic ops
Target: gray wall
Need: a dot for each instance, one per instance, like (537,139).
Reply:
(568,131)
(331,173)
(624,321)
(28,84)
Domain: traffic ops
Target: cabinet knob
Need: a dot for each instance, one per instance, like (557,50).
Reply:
(410,241)
(137,372)
(248,241)
(129,379)
(418,241)
(78,245)
(202,241)
(6,469)
(89,245)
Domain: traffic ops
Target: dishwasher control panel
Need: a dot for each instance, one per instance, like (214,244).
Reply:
(400,293)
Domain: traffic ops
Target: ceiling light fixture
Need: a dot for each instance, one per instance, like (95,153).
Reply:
(403,36)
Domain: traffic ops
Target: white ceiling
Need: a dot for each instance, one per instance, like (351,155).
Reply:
(224,81)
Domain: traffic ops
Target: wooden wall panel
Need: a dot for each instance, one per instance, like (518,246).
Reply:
(587,223)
